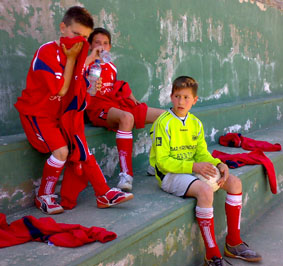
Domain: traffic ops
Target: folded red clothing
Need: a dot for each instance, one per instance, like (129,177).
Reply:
(238,140)
(254,157)
(47,230)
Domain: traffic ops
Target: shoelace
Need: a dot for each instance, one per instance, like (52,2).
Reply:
(218,261)
(50,198)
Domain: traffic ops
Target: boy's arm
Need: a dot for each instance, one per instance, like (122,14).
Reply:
(202,154)
(93,56)
(71,55)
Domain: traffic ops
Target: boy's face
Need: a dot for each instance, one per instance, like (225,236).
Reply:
(101,40)
(74,29)
(183,100)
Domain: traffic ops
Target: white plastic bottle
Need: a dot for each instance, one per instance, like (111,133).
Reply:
(105,56)
(93,76)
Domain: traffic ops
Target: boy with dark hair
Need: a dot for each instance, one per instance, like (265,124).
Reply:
(179,151)
(51,111)
(115,107)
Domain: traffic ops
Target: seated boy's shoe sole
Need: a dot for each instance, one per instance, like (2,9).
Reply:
(113,197)
(215,261)
(46,208)
(241,251)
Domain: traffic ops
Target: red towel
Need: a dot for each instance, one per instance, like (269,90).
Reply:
(73,105)
(254,157)
(48,230)
(237,140)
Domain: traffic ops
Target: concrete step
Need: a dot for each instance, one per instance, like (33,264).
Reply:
(155,228)
(21,166)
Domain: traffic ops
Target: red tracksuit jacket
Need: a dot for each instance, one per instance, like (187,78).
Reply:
(48,230)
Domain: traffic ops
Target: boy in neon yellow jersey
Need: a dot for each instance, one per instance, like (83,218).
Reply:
(179,151)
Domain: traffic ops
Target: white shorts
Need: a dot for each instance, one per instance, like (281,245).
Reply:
(177,184)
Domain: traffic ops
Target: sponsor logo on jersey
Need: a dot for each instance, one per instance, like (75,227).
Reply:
(101,113)
(184,147)
(54,98)
(183,129)
(158,141)
(194,137)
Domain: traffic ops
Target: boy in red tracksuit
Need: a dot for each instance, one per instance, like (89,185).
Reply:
(51,111)
(115,107)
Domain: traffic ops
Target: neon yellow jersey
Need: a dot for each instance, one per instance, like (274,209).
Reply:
(177,144)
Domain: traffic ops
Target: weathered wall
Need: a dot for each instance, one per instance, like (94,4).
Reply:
(233,48)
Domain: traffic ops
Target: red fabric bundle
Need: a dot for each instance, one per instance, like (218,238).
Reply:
(48,230)
(237,140)
(254,157)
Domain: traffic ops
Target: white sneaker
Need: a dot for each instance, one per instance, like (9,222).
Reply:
(47,204)
(150,170)
(125,182)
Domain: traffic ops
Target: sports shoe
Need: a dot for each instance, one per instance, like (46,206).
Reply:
(125,182)
(113,197)
(150,170)
(241,251)
(48,204)
(215,261)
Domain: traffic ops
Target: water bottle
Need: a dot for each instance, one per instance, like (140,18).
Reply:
(93,76)
(105,56)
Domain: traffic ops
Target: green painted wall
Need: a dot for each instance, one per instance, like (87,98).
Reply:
(233,48)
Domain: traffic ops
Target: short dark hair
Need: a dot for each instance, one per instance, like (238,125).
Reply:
(183,82)
(80,15)
(101,31)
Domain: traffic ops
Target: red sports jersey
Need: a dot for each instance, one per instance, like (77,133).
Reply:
(44,81)
(109,76)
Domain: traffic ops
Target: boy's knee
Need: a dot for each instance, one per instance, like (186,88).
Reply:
(127,119)
(204,195)
(61,153)
(234,184)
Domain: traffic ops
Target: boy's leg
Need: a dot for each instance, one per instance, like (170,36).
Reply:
(105,197)
(204,214)
(233,207)
(124,122)
(152,114)
(45,136)
(234,246)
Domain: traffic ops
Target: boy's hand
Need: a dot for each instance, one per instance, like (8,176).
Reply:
(132,97)
(224,172)
(98,84)
(205,169)
(74,51)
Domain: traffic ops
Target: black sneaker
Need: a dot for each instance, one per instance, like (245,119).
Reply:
(241,251)
(215,261)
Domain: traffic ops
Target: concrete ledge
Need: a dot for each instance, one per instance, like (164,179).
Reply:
(21,166)
(155,228)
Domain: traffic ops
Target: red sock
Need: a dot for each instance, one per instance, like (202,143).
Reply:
(94,175)
(124,141)
(206,225)
(51,172)
(233,207)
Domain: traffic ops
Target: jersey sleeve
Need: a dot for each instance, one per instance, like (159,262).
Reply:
(202,154)
(48,68)
(163,160)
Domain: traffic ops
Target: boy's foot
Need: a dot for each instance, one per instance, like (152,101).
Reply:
(48,204)
(241,251)
(215,261)
(113,197)
(125,182)
(150,170)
